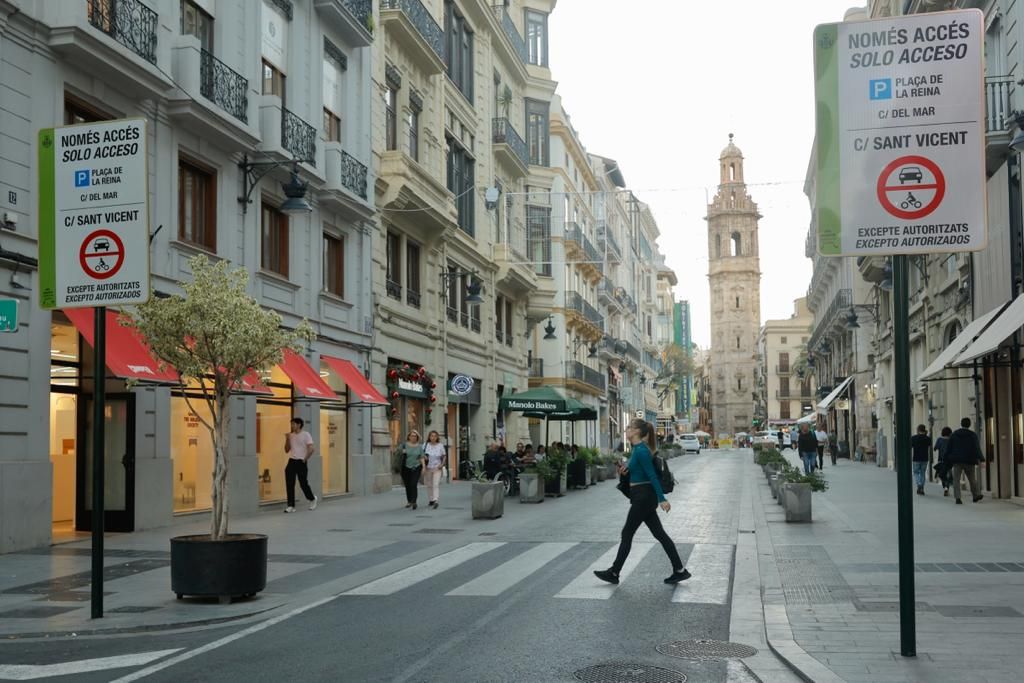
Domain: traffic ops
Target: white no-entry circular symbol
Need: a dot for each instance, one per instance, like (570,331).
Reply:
(911,187)
(101,254)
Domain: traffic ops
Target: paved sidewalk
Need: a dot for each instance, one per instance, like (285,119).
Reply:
(830,588)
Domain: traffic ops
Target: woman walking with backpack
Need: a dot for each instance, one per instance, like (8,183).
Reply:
(645,495)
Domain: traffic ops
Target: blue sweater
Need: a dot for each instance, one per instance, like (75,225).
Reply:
(641,469)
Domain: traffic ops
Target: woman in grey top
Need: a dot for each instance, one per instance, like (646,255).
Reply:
(412,465)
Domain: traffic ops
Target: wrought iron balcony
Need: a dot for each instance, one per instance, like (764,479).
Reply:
(574,301)
(632,351)
(353,174)
(420,18)
(412,298)
(394,289)
(453,314)
(537,367)
(581,373)
(474,324)
(298,137)
(835,314)
(129,22)
(783,369)
(499,334)
(509,27)
(997,103)
(606,294)
(360,9)
(502,132)
(606,242)
(573,233)
(223,86)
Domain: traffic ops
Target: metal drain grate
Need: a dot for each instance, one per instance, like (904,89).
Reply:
(705,649)
(628,672)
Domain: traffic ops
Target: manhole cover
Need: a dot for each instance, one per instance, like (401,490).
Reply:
(705,649)
(628,672)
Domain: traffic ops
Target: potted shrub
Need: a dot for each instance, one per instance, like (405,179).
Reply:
(488,501)
(214,335)
(558,461)
(531,482)
(795,494)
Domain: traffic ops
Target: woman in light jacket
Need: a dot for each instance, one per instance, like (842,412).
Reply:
(412,465)
(434,457)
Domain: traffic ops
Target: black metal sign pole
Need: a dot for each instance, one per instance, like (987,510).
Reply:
(904,474)
(99,400)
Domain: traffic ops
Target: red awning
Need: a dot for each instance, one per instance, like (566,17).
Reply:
(361,389)
(252,384)
(305,379)
(128,356)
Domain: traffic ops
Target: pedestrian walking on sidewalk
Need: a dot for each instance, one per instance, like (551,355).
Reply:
(920,446)
(942,468)
(964,453)
(298,444)
(807,446)
(822,437)
(435,457)
(412,466)
(833,446)
(645,495)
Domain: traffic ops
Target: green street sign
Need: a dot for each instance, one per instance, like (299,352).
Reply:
(8,315)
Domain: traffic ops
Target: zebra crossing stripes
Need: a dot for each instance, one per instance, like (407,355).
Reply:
(392,583)
(588,586)
(711,566)
(503,577)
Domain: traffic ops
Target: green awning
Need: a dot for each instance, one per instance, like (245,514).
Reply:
(574,411)
(540,401)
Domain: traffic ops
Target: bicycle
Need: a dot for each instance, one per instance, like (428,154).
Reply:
(509,478)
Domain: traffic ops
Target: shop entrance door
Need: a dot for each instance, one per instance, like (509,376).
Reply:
(119,465)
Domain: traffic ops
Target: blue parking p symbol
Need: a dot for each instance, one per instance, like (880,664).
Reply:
(880,88)
(82,178)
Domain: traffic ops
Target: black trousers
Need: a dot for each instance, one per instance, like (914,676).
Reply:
(821,457)
(297,468)
(411,479)
(643,509)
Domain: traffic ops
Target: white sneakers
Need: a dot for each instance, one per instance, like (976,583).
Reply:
(312,505)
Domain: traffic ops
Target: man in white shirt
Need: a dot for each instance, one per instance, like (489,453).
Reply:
(822,438)
(298,444)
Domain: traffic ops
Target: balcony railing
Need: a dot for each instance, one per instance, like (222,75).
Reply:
(129,22)
(421,19)
(223,86)
(298,137)
(502,131)
(394,289)
(840,306)
(453,314)
(509,27)
(997,102)
(499,334)
(412,298)
(581,373)
(574,301)
(360,9)
(353,174)
(783,369)
(606,241)
(632,351)
(474,324)
(573,233)
(537,367)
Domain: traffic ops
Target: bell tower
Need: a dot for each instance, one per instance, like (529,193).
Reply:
(734,278)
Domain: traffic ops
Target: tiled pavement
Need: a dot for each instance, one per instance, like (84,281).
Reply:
(830,589)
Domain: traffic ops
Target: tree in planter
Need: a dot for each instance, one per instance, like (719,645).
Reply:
(214,335)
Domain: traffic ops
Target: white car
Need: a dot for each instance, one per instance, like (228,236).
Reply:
(689,442)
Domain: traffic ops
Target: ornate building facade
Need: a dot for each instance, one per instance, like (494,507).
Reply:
(734,276)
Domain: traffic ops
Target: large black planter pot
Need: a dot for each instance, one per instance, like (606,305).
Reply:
(226,569)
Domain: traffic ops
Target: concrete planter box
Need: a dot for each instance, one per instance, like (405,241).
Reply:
(601,471)
(773,484)
(592,471)
(556,487)
(611,472)
(531,488)
(796,501)
(488,500)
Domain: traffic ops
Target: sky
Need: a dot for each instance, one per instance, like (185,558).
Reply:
(658,85)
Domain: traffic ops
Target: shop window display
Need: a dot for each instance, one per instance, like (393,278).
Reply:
(192,455)
(273,416)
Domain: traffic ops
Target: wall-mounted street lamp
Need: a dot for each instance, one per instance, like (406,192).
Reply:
(549,329)
(851,317)
(592,351)
(294,189)
(474,287)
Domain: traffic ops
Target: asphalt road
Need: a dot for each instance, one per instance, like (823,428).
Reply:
(520,605)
